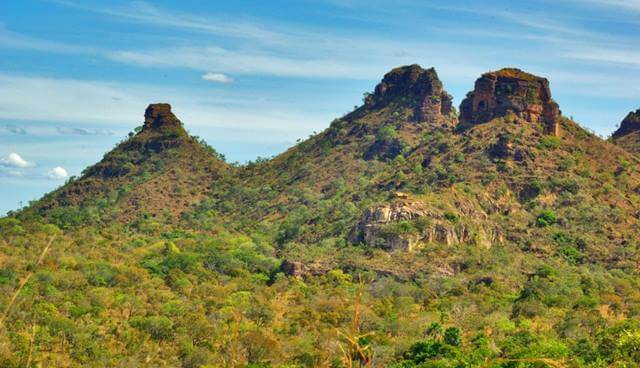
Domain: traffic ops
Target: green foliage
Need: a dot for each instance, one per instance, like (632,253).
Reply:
(452,336)
(549,142)
(158,327)
(386,133)
(169,257)
(546,218)
(7,276)
(571,254)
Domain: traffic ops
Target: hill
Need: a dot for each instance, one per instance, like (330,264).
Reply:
(159,171)
(403,235)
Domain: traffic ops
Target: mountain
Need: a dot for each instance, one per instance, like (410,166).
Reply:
(627,135)
(403,159)
(406,234)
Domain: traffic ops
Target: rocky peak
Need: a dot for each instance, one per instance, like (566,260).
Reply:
(413,85)
(630,124)
(507,91)
(159,117)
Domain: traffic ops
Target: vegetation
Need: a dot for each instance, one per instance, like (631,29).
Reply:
(164,255)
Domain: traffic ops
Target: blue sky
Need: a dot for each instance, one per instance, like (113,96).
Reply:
(251,77)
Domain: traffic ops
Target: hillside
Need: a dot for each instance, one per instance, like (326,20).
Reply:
(406,234)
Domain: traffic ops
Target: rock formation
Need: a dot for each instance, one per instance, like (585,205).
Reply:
(411,84)
(627,135)
(403,225)
(509,90)
(630,124)
(159,116)
(161,129)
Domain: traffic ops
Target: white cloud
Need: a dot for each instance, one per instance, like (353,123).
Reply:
(606,55)
(624,4)
(217,24)
(83,131)
(241,62)
(15,160)
(57,173)
(101,103)
(218,78)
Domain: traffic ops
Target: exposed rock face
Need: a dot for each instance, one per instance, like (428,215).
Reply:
(159,116)
(161,129)
(628,135)
(384,226)
(630,124)
(302,269)
(511,91)
(417,86)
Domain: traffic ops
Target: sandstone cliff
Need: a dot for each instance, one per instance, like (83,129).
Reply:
(509,90)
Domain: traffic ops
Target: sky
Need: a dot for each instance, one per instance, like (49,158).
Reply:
(252,77)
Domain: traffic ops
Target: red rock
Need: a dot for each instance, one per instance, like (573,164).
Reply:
(630,124)
(511,90)
(412,85)
(159,115)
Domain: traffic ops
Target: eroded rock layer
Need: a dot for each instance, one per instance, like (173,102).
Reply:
(510,90)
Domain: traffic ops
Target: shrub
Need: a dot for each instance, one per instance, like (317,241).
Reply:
(159,327)
(546,218)
(533,189)
(386,133)
(571,254)
(452,336)
(450,216)
(549,142)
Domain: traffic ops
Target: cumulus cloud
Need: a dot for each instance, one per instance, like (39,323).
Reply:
(57,173)
(218,78)
(15,160)
(15,129)
(83,131)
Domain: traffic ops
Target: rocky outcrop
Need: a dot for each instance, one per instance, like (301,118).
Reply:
(627,135)
(420,88)
(301,269)
(510,90)
(159,116)
(161,129)
(404,225)
(630,124)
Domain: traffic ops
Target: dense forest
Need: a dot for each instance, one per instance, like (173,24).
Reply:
(407,234)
